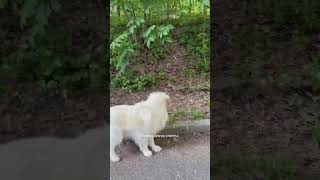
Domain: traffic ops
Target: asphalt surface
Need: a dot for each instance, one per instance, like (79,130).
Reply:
(181,158)
(83,158)
(87,158)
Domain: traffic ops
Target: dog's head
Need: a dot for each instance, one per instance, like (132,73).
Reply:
(160,101)
(159,96)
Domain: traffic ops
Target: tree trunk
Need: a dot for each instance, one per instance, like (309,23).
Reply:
(118,10)
(126,13)
(149,16)
(145,17)
(164,11)
(167,11)
(193,7)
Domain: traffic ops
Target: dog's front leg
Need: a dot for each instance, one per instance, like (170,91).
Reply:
(142,142)
(153,146)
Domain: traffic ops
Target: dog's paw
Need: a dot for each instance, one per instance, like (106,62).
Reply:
(147,153)
(156,148)
(114,158)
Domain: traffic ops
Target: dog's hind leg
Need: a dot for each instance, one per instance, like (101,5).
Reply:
(116,137)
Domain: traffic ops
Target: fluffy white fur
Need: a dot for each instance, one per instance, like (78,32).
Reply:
(138,120)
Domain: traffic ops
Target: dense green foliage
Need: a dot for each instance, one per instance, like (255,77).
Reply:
(143,29)
(293,22)
(198,44)
(304,18)
(189,114)
(244,166)
(290,14)
(38,48)
(32,14)
(312,73)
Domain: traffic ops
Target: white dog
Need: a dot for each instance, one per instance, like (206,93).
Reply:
(138,122)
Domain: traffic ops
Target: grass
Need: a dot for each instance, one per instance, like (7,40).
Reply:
(316,134)
(183,114)
(242,166)
(300,41)
(183,20)
(173,78)
(196,41)
(4,90)
(130,82)
(205,86)
(312,73)
(160,76)
(190,74)
(311,115)
(255,52)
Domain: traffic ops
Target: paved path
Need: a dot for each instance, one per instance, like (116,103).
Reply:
(188,159)
(83,158)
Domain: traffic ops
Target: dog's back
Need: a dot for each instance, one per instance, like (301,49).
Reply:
(129,116)
(119,115)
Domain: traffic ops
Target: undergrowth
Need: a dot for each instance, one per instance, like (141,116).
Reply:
(44,63)
(186,114)
(244,166)
(128,81)
(196,39)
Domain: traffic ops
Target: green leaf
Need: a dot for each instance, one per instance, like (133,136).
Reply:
(52,84)
(147,11)
(26,11)
(3,4)
(149,30)
(55,5)
(206,3)
(131,29)
(167,39)
(148,44)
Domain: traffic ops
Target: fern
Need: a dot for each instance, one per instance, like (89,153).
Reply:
(36,14)
(157,34)
(123,47)
(134,24)
(121,50)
